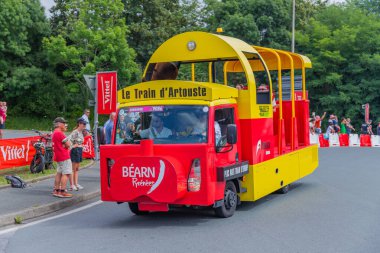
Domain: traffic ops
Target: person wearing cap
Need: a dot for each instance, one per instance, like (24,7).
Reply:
(76,138)
(61,147)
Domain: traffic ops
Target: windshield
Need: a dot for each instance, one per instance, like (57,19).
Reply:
(163,124)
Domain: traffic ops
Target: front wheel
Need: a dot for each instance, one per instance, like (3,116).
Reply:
(134,207)
(38,163)
(230,201)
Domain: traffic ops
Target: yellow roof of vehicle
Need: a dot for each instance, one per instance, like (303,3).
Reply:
(207,46)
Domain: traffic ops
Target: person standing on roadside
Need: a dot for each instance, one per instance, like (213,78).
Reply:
(3,117)
(318,122)
(76,138)
(86,117)
(108,126)
(61,147)
(343,124)
(349,127)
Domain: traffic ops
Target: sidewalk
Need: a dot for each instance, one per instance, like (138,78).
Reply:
(36,199)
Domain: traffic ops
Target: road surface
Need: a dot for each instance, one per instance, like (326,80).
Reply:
(336,209)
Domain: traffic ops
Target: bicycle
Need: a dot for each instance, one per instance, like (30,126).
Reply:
(43,159)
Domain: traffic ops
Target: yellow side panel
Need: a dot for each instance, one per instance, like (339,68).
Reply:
(308,160)
(269,176)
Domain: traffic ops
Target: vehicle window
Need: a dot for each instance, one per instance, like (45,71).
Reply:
(223,117)
(163,124)
(262,81)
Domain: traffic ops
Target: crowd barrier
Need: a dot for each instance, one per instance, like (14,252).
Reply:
(20,151)
(17,152)
(345,140)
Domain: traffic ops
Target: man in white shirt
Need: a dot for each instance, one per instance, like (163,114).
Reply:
(85,116)
(156,129)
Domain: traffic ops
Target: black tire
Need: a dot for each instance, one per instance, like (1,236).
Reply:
(38,163)
(230,201)
(283,190)
(134,207)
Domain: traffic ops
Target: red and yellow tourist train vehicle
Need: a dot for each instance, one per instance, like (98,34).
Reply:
(207,127)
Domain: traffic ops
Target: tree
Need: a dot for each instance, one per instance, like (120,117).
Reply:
(343,43)
(22,26)
(257,22)
(91,37)
(26,81)
(152,22)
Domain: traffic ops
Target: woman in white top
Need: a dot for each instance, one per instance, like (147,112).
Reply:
(76,138)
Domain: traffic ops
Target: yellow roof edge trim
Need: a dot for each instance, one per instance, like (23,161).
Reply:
(200,46)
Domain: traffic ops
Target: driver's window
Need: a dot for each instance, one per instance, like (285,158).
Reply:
(223,117)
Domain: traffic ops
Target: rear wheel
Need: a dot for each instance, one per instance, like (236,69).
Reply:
(134,207)
(230,201)
(283,190)
(38,163)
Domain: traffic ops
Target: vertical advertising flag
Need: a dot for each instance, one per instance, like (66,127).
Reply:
(107,89)
(366,112)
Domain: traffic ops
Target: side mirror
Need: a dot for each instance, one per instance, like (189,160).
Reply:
(231,134)
(100,135)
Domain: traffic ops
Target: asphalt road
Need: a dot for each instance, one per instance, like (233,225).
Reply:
(10,134)
(336,209)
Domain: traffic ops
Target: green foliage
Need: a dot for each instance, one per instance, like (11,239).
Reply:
(151,22)
(91,37)
(18,219)
(258,22)
(343,43)
(22,26)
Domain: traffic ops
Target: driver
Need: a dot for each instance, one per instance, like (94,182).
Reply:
(156,129)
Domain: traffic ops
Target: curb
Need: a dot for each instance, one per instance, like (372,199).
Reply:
(35,180)
(34,212)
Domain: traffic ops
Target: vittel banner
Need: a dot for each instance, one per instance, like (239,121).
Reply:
(107,91)
(16,152)
(88,147)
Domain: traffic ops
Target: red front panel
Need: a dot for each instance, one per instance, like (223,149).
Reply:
(161,176)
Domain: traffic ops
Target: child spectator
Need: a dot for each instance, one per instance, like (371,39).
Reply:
(335,122)
(3,117)
(317,123)
(329,130)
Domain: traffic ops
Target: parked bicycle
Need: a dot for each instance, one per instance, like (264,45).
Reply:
(43,159)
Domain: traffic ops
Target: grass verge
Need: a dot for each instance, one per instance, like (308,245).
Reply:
(25,174)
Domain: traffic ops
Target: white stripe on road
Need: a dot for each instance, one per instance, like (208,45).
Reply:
(14,229)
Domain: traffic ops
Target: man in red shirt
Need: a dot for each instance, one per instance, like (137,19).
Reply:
(62,156)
